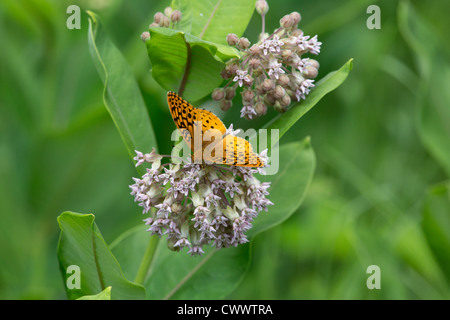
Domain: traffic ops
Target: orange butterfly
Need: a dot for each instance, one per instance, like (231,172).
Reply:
(224,149)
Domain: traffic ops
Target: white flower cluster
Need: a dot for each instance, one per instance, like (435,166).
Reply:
(196,205)
(272,72)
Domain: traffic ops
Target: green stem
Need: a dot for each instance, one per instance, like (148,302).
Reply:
(147,260)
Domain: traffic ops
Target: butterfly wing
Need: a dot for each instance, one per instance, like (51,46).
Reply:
(235,151)
(184,115)
(190,120)
(240,151)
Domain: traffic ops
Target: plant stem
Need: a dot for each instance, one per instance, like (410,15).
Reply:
(263,18)
(147,260)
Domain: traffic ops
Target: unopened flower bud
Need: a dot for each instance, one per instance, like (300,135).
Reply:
(232,39)
(283,80)
(145,36)
(314,63)
(254,63)
(230,93)
(279,108)
(168,11)
(218,94)
(296,78)
(297,33)
(158,17)
(285,101)
(225,105)
(243,43)
(260,90)
(260,108)
(287,55)
(226,74)
(269,99)
(287,22)
(248,95)
(262,7)
(165,22)
(232,67)
(175,16)
(279,92)
(153,24)
(296,17)
(310,72)
(255,49)
(268,85)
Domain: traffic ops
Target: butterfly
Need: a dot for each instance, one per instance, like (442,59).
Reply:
(225,149)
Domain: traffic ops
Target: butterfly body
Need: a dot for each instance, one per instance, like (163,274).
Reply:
(195,123)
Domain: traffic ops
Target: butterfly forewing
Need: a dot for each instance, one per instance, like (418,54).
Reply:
(205,133)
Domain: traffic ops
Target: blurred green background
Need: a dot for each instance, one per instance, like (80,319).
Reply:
(382,140)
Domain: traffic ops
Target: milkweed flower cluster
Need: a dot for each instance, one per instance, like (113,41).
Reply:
(197,205)
(273,71)
(168,18)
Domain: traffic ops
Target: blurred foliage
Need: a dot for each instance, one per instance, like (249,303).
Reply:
(380,143)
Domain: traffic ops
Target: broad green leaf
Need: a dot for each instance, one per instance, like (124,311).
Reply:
(129,248)
(329,83)
(214,20)
(104,295)
(177,275)
(289,186)
(81,244)
(436,225)
(182,60)
(121,95)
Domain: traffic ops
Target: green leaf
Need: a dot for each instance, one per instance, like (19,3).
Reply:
(81,244)
(433,101)
(177,275)
(184,63)
(104,295)
(121,95)
(129,248)
(288,186)
(434,116)
(329,83)
(436,224)
(214,20)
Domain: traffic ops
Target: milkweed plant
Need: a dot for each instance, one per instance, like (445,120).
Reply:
(200,217)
